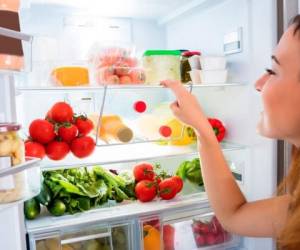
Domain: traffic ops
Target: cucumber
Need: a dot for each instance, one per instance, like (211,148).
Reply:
(44,196)
(31,209)
(57,207)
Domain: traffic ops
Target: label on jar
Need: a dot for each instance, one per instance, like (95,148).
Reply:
(6,182)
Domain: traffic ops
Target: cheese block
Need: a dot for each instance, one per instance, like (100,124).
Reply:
(70,76)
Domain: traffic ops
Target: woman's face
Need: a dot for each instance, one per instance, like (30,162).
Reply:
(280,91)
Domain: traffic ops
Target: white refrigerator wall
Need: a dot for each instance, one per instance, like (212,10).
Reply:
(205,30)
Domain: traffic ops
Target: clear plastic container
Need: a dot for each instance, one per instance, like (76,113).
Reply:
(161,65)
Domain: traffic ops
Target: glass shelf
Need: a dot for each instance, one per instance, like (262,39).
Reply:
(38,89)
(129,153)
(22,183)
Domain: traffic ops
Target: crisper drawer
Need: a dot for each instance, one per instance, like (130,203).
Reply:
(199,232)
(113,237)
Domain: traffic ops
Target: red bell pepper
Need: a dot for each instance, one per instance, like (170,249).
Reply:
(218,128)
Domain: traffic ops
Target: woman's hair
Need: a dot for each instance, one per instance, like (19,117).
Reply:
(289,238)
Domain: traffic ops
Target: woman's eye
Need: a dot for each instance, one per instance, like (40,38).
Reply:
(270,72)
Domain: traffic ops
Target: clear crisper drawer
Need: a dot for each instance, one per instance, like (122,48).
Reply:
(200,232)
(19,183)
(113,237)
(130,115)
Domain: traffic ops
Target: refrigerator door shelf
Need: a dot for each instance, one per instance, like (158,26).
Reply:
(197,232)
(19,183)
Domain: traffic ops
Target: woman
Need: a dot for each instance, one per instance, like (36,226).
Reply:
(277,217)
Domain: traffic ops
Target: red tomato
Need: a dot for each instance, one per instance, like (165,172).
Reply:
(165,131)
(143,171)
(145,190)
(83,146)
(167,189)
(84,125)
(34,149)
(61,112)
(57,150)
(41,131)
(68,133)
(179,183)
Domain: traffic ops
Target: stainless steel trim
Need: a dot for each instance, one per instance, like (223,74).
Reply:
(290,9)
(86,238)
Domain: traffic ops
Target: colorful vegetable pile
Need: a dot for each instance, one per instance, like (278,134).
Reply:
(79,189)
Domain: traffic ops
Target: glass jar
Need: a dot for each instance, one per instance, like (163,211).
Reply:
(12,187)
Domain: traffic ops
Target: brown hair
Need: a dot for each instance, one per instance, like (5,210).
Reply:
(289,238)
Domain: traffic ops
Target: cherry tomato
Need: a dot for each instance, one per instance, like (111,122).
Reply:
(84,125)
(165,131)
(145,190)
(57,150)
(41,131)
(61,112)
(34,149)
(83,146)
(143,171)
(140,106)
(167,189)
(68,132)
(179,183)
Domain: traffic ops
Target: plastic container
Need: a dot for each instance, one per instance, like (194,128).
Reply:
(161,65)
(115,65)
(195,76)
(189,61)
(213,76)
(213,62)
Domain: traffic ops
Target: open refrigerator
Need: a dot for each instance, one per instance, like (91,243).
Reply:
(63,34)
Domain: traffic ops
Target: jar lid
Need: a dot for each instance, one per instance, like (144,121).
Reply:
(6,127)
(162,53)
(191,53)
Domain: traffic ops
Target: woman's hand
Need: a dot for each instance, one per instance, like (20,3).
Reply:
(187,109)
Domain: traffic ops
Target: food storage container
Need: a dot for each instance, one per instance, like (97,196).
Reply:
(195,76)
(187,63)
(213,62)
(11,154)
(115,65)
(70,76)
(160,65)
(213,76)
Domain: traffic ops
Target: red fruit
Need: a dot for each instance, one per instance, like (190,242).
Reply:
(167,189)
(165,131)
(34,149)
(61,112)
(125,80)
(41,131)
(57,150)
(219,238)
(168,237)
(200,240)
(137,76)
(145,190)
(201,227)
(179,183)
(143,171)
(114,79)
(122,70)
(210,239)
(84,125)
(83,146)
(140,106)
(68,132)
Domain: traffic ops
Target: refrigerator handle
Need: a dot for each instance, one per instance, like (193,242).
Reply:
(86,238)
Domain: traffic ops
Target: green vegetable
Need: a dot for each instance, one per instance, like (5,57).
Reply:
(191,170)
(57,208)
(31,209)
(44,196)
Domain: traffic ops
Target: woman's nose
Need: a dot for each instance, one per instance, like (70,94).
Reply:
(261,82)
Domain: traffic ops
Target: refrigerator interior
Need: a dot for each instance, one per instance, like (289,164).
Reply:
(70,34)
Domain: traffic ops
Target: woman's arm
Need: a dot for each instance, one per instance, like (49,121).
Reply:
(261,218)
